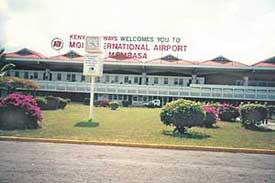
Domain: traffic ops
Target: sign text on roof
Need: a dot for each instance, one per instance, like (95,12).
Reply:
(136,47)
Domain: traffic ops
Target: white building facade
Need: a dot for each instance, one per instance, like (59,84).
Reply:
(137,82)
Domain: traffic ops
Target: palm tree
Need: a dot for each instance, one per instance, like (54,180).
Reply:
(6,67)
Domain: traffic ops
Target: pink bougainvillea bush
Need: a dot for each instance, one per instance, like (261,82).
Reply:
(211,116)
(19,111)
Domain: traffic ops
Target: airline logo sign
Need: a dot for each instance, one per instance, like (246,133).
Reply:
(93,66)
(57,44)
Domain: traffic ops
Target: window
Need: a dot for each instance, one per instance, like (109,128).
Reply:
(165,81)
(135,99)
(126,79)
(125,97)
(180,81)
(145,99)
(83,78)
(120,97)
(59,77)
(8,73)
(16,74)
(107,78)
(136,80)
(35,75)
(110,97)
(97,79)
(68,77)
(116,79)
(26,75)
(176,81)
(73,77)
(115,97)
(156,80)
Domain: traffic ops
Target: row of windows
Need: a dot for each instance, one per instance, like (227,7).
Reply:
(138,80)
(106,78)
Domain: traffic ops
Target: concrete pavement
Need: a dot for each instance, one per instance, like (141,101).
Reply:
(48,162)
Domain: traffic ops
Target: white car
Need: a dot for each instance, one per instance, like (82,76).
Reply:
(153,103)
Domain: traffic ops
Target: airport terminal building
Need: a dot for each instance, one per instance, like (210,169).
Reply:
(167,78)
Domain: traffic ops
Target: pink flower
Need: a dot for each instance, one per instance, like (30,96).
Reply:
(24,102)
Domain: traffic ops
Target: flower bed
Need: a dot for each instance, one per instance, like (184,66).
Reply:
(211,116)
(19,112)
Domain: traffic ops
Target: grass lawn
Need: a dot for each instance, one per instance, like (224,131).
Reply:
(140,125)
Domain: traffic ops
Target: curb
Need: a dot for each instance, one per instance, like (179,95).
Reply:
(155,146)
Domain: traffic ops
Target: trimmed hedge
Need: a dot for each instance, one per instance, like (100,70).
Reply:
(86,101)
(228,112)
(114,105)
(253,114)
(182,114)
(271,111)
(51,102)
(125,103)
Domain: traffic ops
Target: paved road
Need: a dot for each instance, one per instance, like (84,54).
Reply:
(45,162)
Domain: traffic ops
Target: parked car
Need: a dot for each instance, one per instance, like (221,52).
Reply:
(153,103)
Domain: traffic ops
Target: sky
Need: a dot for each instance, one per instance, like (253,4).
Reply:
(241,30)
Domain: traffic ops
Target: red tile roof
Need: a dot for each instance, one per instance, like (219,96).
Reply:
(168,59)
(25,53)
(270,62)
(222,61)
(70,55)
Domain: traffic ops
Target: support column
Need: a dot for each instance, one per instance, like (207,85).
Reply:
(245,81)
(194,79)
(144,78)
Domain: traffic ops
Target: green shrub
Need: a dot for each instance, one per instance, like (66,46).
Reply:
(41,100)
(68,100)
(228,112)
(271,111)
(51,102)
(86,101)
(182,114)
(253,114)
(62,103)
(125,103)
(114,105)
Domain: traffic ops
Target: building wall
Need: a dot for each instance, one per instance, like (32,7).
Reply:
(223,79)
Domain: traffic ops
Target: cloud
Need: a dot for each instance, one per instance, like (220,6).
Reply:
(238,29)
